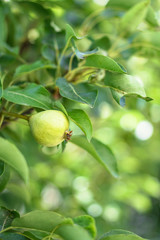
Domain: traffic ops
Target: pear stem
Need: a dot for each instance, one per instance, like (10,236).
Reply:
(15,115)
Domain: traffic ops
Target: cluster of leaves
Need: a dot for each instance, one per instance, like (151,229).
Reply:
(43,68)
(38,225)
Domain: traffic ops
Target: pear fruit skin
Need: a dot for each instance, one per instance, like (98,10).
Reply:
(48,127)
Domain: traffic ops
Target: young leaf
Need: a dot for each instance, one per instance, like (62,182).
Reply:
(120,235)
(107,63)
(6,217)
(70,33)
(88,223)
(10,154)
(102,153)
(81,119)
(28,68)
(33,95)
(80,54)
(73,232)
(44,221)
(4,175)
(125,85)
(69,91)
(133,17)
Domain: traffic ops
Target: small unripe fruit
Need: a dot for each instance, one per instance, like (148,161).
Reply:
(50,127)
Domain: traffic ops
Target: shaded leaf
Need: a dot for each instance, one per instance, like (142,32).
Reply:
(4,175)
(12,236)
(120,235)
(73,232)
(102,153)
(10,154)
(88,223)
(6,217)
(107,63)
(44,221)
(125,85)
(59,105)
(33,95)
(28,68)
(81,119)
(34,7)
(133,17)
(70,91)
(2,24)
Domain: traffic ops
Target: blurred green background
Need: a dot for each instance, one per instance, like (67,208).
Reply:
(73,183)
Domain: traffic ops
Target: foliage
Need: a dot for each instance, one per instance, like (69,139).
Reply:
(88,61)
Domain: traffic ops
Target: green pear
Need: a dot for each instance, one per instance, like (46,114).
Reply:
(50,127)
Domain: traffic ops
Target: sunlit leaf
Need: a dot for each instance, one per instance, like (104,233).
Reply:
(73,232)
(120,235)
(44,221)
(10,154)
(107,63)
(33,95)
(133,17)
(125,85)
(88,223)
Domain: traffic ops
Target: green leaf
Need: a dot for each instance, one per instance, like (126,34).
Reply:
(151,17)
(102,153)
(48,53)
(33,95)
(4,175)
(81,119)
(28,68)
(103,62)
(70,33)
(59,105)
(37,10)
(88,223)
(2,24)
(71,91)
(44,221)
(6,217)
(74,232)
(133,17)
(80,54)
(120,235)
(1,84)
(123,4)
(10,154)
(125,85)
(12,236)
(148,40)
